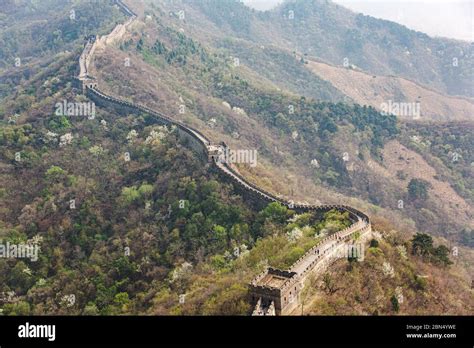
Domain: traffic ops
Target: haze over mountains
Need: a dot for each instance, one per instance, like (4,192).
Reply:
(449,19)
(345,40)
(333,33)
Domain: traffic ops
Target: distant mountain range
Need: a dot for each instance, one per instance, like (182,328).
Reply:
(334,34)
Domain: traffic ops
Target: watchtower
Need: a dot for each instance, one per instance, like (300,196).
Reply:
(214,151)
(276,288)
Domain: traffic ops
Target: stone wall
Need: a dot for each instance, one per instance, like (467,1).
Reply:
(185,133)
(281,299)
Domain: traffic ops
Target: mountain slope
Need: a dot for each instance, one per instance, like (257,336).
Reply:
(337,35)
(161,234)
(379,91)
(169,69)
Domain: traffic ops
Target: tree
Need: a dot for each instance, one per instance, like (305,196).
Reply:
(329,284)
(422,244)
(90,309)
(218,262)
(159,47)
(59,123)
(441,255)
(467,237)
(418,189)
(293,255)
(122,301)
(420,283)
(18,308)
(20,279)
(275,212)
(221,235)
(374,243)
(395,304)
(145,190)
(130,195)
(140,44)
(55,174)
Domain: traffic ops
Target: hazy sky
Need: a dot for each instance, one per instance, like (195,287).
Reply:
(448,18)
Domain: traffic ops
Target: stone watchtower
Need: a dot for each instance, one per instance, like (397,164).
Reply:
(275,292)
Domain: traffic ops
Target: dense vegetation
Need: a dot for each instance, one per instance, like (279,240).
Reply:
(333,143)
(34,29)
(130,221)
(281,68)
(229,14)
(312,122)
(422,244)
(115,234)
(398,275)
(448,147)
(311,125)
(418,189)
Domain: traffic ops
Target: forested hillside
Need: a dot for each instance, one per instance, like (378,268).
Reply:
(129,220)
(335,145)
(322,29)
(37,29)
(123,236)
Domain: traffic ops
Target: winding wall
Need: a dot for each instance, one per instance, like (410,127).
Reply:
(315,259)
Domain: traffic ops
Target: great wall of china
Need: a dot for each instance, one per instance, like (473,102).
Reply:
(274,291)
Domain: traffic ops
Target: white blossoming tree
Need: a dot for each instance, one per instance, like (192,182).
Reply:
(157,135)
(65,139)
(181,271)
(402,251)
(388,270)
(132,136)
(294,234)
